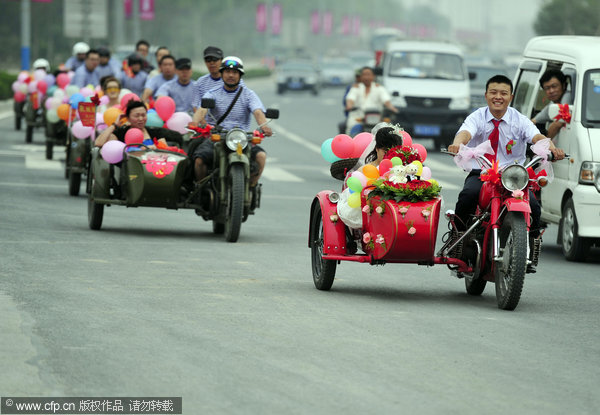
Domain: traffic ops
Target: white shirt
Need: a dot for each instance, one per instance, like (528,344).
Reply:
(516,131)
(377,96)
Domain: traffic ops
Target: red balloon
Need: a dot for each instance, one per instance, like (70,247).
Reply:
(361,141)
(165,107)
(128,97)
(19,96)
(134,136)
(406,139)
(421,150)
(385,166)
(62,80)
(42,86)
(342,145)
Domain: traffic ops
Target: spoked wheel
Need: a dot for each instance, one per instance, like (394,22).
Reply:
(235,203)
(574,247)
(95,210)
(323,270)
(510,271)
(74,183)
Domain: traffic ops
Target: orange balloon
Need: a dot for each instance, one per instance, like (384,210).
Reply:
(111,115)
(63,111)
(370,171)
(370,182)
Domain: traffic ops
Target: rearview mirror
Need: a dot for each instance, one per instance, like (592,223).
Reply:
(272,113)
(207,103)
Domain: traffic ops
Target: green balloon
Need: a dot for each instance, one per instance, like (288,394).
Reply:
(354,184)
(396,161)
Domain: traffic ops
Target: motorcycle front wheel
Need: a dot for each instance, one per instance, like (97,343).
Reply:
(235,203)
(509,273)
(323,270)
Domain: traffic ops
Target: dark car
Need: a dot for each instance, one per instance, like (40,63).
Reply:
(297,76)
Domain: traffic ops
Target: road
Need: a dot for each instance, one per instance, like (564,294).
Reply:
(154,304)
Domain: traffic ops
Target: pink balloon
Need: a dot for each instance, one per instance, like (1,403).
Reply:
(39,74)
(62,80)
(112,151)
(178,122)
(104,100)
(421,150)
(87,92)
(52,103)
(128,97)
(385,166)
(134,136)
(165,107)
(360,176)
(361,142)
(100,119)
(15,86)
(19,96)
(23,76)
(426,173)
(80,131)
(32,87)
(42,86)
(406,139)
(342,146)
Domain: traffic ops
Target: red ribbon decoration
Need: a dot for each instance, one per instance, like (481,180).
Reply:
(534,176)
(95,100)
(492,175)
(563,113)
(162,146)
(202,131)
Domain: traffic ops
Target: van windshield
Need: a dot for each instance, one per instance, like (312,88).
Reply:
(426,65)
(591,98)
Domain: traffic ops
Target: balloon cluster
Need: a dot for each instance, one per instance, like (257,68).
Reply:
(343,146)
(27,83)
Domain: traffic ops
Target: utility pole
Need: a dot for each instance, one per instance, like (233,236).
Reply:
(25,34)
(135,20)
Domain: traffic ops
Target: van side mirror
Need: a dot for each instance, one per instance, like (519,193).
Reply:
(553,110)
(378,71)
(472,76)
(272,113)
(207,103)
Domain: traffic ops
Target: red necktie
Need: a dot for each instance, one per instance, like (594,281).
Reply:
(494,136)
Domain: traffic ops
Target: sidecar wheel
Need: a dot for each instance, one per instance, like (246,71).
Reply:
(29,134)
(49,149)
(323,270)
(218,228)
(18,120)
(74,183)
(510,272)
(235,204)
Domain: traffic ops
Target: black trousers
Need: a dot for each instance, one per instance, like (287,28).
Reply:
(469,196)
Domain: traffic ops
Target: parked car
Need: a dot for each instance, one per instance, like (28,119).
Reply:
(572,199)
(297,76)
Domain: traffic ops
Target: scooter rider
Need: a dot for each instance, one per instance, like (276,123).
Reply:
(232,70)
(511,131)
(78,58)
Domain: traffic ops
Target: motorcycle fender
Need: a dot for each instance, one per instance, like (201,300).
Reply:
(237,158)
(334,231)
(517,205)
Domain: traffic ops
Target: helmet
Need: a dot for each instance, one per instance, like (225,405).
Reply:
(41,64)
(80,47)
(232,62)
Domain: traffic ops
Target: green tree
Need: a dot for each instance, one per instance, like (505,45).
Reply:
(569,17)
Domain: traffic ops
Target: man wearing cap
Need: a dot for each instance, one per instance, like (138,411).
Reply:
(167,73)
(212,60)
(182,88)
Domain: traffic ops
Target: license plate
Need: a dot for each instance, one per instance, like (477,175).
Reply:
(296,84)
(427,130)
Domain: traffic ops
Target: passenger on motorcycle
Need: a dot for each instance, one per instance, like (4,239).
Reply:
(247,104)
(41,63)
(137,116)
(133,78)
(180,89)
(107,66)
(509,133)
(88,73)
(78,58)
(366,95)
(158,55)
(167,73)
(111,88)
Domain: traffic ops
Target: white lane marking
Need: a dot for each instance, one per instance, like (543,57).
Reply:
(40,185)
(39,162)
(299,140)
(5,115)
(448,186)
(278,174)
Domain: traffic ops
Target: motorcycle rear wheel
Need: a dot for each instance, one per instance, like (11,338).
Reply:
(95,210)
(509,273)
(323,270)
(74,183)
(235,203)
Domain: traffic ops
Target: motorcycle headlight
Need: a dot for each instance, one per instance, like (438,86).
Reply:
(235,137)
(515,177)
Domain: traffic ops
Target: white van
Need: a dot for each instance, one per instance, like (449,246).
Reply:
(572,200)
(429,85)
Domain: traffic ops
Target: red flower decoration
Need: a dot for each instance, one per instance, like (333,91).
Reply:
(406,153)
(492,175)
(563,113)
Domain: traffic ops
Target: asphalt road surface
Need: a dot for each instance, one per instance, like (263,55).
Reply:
(155,304)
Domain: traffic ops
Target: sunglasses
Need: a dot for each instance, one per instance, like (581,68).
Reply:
(211,59)
(113,89)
